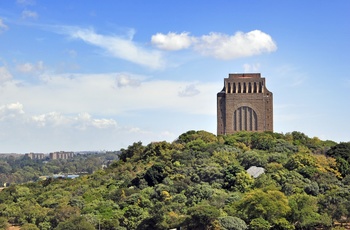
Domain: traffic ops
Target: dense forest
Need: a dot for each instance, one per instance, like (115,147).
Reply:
(199,181)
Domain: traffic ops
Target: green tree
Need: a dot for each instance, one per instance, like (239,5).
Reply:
(202,217)
(135,149)
(155,174)
(230,173)
(259,224)
(232,223)
(192,135)
(252,158)
(75,223)
(63,213)
(29,226)
(300,138)
(198,193)
(133,216)
(3,223)
(335,203)
(262,141)
(32,212)
(343,166)
(340,150)
(243,181)
(210,172)
(342,154)
(271,205)
(5,167)
(45,225)
(265,182)
(159,149)
(283,146)
(303,212)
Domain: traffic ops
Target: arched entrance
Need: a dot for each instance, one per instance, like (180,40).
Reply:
(245,118)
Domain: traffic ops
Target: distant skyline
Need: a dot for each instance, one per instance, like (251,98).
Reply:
(85,75)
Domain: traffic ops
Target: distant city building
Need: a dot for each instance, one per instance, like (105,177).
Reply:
(61,155)
(39,156)
(244,104)
(52,156)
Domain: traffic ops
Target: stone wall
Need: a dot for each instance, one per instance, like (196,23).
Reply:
(244,104)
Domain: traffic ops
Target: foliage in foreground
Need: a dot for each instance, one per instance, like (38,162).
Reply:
(197,182)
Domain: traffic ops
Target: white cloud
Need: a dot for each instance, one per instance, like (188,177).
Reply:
(81,110)
(222,46)
(25,68)
(100,94)
(119,47)
(103,123)
(5,75)
(189,91)
(53,131)
(2,26)
(81,121)
(29,14)
(250,68)
(72,53)
(218,45)
(125,79)
(50,119)
(30,68)
(11,111)
(172,41)
(85,120)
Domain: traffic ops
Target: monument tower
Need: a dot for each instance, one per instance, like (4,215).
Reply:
(244,104)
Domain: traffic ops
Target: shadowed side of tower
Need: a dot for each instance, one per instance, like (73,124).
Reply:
(244,104)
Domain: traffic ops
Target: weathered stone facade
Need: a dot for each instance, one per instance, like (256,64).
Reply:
(61,155)
(39,156)
(244,104)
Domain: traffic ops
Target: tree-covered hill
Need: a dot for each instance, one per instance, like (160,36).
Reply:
(199,181)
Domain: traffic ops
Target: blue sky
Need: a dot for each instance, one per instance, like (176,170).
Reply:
(88,75)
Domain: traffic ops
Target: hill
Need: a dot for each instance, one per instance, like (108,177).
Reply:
(199,181)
